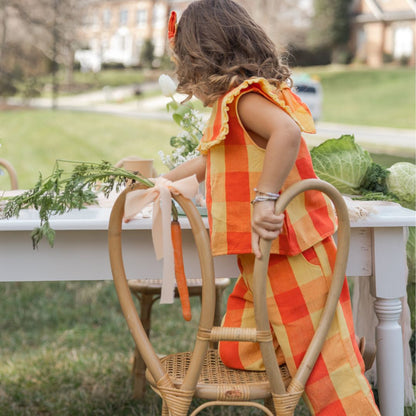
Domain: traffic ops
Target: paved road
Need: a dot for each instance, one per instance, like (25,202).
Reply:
(400,142)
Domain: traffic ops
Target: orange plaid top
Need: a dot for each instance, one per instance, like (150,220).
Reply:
(234,166)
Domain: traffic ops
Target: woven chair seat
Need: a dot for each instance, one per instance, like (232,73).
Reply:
(217,381)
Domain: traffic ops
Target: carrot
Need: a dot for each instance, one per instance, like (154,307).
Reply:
(180,270)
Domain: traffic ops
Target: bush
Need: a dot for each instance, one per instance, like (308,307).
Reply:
(165,63)
(341,56)
(32,88)
(404,60)
(299,56)
(147,54)
(112,65)
(7,85)
(387,58)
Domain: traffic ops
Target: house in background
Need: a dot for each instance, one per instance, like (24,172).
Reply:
(115,31)
(384,31)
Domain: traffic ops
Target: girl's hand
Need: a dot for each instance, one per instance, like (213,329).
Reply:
(265,224)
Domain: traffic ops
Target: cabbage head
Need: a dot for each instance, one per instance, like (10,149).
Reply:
(401,182)
(342,163)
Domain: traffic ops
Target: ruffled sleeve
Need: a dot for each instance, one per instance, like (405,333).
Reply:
(218,127)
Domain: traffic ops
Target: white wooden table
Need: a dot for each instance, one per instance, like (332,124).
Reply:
(377,250)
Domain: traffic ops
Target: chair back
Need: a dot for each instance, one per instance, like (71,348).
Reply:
(177,397)
(283,396)
(11,172)
(206,319)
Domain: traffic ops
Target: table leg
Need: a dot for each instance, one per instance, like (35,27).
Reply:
(389,286)
(390,373)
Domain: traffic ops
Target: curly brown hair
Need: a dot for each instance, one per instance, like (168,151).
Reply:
(218,46)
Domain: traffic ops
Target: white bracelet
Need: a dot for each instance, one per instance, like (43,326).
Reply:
(261,198)
(268,194)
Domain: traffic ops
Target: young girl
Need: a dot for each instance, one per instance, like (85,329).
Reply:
(252,149)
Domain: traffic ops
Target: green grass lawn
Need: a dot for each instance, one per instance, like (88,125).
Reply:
(32,140)
(370,97)
(65,350)
(85,81)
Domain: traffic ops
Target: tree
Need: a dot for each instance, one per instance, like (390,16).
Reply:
(38,36)
(53,26)
(285,21)
(18,60)
(331,27)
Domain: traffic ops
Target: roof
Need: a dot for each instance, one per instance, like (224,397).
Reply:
(391,16)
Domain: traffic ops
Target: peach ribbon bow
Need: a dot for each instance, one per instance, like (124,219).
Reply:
(160,195)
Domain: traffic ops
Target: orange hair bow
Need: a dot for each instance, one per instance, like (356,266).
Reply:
(172,28)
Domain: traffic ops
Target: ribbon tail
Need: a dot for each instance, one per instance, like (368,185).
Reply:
(160,194)
(167,294)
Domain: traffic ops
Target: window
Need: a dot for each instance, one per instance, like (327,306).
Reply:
(124,16)
(403,42)
(141,17)
(106,17)
(159,16)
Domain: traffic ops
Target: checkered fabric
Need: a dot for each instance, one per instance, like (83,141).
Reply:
(296,293)
(234,166)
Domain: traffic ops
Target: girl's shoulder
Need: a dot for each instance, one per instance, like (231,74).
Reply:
(218,125)
(281,95)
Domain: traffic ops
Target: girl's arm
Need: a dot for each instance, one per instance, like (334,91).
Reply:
(188,168)
(272,128)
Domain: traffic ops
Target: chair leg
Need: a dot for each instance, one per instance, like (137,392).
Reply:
(217,313)
(218,299)
(139,379)
(268,403)
(368,352)
(165,410)
(139,367)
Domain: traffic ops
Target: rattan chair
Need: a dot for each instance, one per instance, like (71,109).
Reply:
(147,291)
(178,378)
(11,172)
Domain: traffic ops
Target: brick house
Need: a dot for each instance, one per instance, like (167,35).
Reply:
(383,31)
(116,30)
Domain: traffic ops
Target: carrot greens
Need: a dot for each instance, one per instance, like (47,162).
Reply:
(71,185)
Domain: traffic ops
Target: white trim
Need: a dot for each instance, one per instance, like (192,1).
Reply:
(375,9)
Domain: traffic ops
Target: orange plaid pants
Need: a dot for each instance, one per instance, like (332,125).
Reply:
(296,293)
